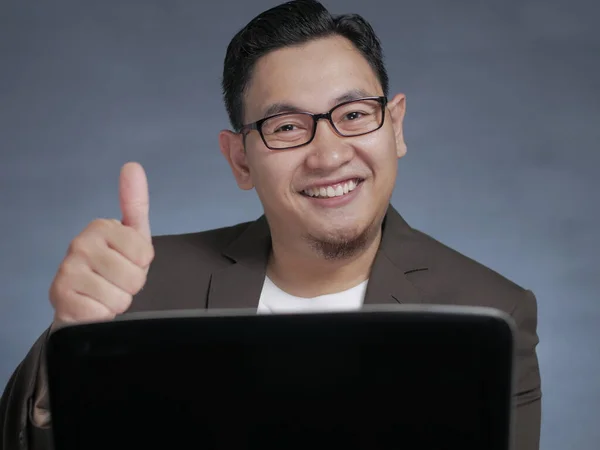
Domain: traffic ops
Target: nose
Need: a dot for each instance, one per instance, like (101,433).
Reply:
(328,150)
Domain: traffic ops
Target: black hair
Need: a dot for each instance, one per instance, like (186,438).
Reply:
(293,23)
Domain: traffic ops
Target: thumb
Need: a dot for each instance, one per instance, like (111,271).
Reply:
(134,198)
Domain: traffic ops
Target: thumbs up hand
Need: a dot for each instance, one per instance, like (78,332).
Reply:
(107,263)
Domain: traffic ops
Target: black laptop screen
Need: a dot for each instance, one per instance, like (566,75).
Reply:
(348,381)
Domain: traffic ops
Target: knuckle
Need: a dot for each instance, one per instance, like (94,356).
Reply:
(103,224)
(103,314)
(61,284)
(123,303)
(136,280)
(66,269)
(54,294)
(96,230)
(99,230)
(147,255)
(91,310)
(79,246)
(63,307)
(139,251)
(68,275)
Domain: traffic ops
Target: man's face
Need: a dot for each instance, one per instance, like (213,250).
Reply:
(313,78)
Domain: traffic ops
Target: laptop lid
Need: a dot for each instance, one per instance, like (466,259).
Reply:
(379,378)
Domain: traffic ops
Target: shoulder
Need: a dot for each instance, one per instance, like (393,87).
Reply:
(457,279)
(454,277)
(203,246)
(179,276)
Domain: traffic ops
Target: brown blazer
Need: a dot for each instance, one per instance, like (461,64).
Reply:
(226,267)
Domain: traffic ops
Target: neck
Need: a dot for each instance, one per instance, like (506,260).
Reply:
(303,273)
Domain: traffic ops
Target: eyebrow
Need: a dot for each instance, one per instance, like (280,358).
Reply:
(281,107)
(353,94)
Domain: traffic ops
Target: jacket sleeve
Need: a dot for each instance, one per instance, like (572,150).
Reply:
(25,388)
(527,419)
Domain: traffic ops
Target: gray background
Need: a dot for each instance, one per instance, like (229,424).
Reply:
(502,127)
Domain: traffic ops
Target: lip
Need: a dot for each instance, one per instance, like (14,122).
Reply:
(335,202)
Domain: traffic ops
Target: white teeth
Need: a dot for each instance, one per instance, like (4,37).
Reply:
(330,191)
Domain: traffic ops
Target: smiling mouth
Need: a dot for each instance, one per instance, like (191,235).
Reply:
(334,190)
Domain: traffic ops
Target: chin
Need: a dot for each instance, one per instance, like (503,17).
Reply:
(341,244)
(333,228)
(343,235)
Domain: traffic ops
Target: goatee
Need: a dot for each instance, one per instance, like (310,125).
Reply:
(343,247)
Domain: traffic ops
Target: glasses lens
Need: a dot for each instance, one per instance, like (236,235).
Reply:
(287,130)
(359,117)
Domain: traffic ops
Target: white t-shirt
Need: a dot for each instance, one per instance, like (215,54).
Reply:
(274,300)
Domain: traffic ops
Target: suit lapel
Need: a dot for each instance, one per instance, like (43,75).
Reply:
(239,285)
(388,284)
(398,255)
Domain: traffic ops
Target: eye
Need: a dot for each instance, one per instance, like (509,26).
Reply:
(353,115)
(286,127)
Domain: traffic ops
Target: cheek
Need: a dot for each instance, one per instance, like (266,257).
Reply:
(378,151)
(273,173)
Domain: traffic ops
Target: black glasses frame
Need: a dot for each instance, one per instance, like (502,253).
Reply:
(316,117)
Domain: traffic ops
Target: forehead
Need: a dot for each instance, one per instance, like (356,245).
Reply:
(309,76)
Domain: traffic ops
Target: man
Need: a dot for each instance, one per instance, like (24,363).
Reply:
(316,135)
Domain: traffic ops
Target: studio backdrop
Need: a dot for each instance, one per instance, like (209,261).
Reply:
(502,126)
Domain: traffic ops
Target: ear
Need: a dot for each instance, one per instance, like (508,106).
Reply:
(397,108)
(232,147)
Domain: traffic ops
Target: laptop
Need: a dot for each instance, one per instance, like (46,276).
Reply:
(410,377)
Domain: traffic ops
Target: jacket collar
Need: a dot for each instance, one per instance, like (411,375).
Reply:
(239,285)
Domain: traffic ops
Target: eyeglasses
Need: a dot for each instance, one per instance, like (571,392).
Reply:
(291,130)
